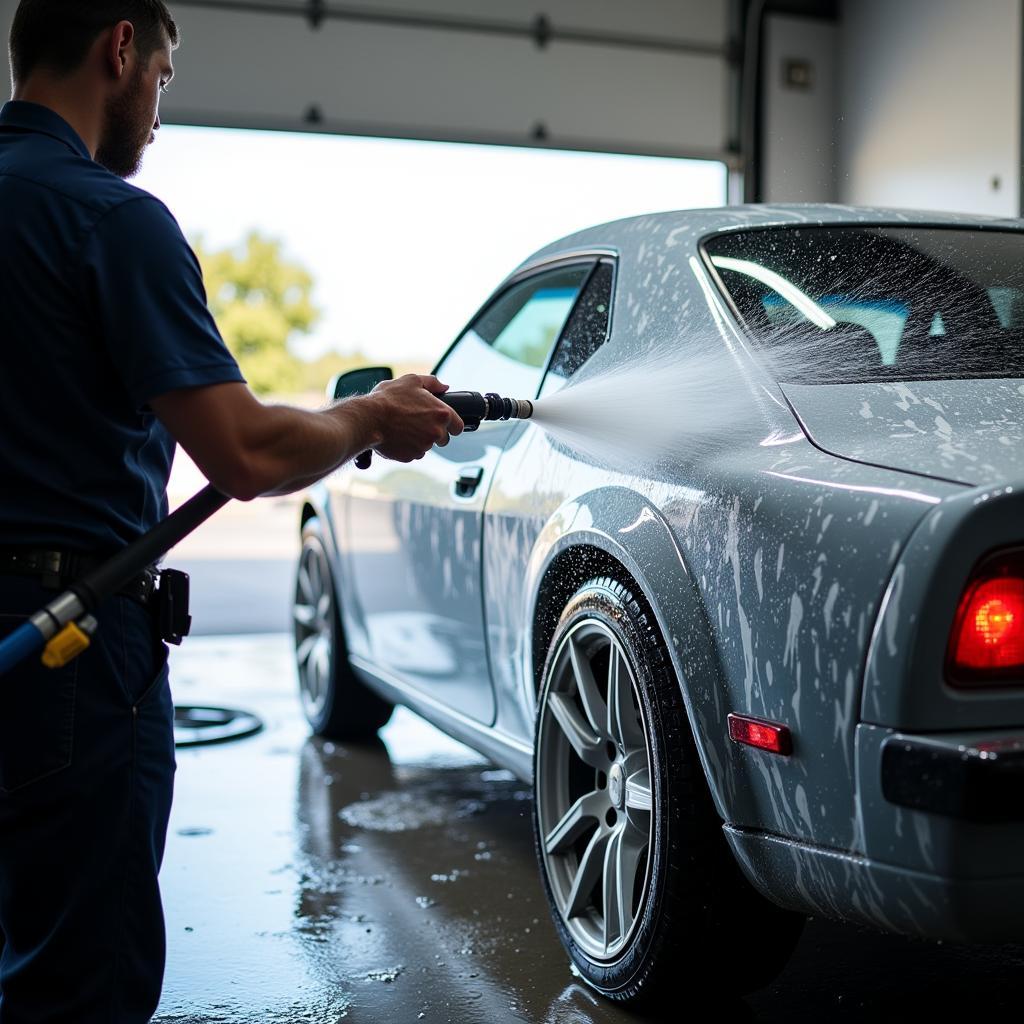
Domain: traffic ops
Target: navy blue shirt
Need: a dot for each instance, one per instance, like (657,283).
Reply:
(102,309)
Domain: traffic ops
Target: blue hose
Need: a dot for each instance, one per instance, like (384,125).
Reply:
(25,641)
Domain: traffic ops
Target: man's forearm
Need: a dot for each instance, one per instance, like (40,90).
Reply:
(290,449)
(247,449)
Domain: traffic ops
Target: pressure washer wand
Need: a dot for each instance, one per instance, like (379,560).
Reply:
(473,408)
(64,625)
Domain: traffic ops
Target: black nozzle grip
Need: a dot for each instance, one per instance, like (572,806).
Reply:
(470,406)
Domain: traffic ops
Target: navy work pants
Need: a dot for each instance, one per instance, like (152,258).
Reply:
(86,777)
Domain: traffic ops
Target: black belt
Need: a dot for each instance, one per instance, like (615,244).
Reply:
(58,569)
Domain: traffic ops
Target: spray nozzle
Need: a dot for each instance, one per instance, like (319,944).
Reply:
(473,408)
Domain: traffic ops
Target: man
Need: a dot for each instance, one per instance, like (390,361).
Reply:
(107,356)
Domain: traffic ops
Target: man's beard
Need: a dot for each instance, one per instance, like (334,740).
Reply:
(126,132)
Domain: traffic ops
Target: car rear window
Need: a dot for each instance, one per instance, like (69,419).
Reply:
(874,303)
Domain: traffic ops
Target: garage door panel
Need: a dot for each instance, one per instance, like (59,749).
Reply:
(704,21)
(240,68)
(437,84)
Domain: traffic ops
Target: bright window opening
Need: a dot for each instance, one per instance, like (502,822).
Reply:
(404,240)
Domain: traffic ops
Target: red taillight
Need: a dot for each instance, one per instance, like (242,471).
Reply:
(987,644)
(757,733)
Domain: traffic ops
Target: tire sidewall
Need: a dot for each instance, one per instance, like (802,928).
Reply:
(351,711)
(615,607)
(312,535)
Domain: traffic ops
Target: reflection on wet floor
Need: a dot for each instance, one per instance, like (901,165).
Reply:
(313,882)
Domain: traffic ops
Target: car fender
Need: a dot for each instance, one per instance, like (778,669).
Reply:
(630,531)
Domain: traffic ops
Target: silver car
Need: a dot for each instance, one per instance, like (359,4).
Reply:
(775,673)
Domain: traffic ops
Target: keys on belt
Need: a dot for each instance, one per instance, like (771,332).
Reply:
(163,591)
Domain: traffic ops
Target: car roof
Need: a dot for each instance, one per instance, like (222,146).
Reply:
(687,227)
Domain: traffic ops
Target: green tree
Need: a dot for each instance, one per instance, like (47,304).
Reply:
(260,301)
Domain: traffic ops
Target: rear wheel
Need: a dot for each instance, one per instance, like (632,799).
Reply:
(644,892)
(336,704)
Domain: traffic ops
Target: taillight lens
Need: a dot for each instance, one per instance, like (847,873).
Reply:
(987,644)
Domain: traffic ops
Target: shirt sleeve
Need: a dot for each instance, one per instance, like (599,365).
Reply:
(149,296)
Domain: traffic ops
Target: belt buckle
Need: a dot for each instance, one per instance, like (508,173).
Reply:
(51,562)
(53,567)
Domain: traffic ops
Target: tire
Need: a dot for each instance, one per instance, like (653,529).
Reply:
(336,704)
(627,792)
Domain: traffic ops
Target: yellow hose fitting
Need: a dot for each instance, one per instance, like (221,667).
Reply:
(67,645)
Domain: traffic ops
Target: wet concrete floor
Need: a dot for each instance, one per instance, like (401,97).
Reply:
(313,882)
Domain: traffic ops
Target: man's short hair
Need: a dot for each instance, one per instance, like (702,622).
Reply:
(57,34)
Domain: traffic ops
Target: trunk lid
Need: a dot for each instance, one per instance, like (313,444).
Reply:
(967,431)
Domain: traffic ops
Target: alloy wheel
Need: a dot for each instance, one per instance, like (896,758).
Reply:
(313,613)
(594,800)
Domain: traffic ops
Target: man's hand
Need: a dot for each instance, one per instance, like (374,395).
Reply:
(408,417)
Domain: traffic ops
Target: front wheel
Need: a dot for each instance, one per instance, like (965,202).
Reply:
(645,894)
(336,704)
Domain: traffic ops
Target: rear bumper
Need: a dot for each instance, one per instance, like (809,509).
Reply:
(943,804)
(827,883)
(980,781)
(937,840)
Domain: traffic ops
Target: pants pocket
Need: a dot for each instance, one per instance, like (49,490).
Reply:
(37,718)
(144,655)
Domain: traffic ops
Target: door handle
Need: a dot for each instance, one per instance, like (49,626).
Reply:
(468,481)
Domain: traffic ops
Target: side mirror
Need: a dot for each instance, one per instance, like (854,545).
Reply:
(357,382)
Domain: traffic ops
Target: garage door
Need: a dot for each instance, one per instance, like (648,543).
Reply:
(647,76)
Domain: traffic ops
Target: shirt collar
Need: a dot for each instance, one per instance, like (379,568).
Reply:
(33,117)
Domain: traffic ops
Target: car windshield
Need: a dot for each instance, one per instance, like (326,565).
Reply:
(872,303)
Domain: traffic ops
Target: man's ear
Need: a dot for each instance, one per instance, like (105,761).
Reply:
(119,43)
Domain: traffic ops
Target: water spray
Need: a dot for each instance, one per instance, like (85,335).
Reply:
(473,408)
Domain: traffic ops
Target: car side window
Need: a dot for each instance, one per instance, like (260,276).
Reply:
(586,331)
(507,346)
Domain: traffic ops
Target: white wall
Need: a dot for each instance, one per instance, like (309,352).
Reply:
(263,70)
(798,152)
(930,104)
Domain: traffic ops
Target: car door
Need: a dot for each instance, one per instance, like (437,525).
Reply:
(415,531)
(523,496)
